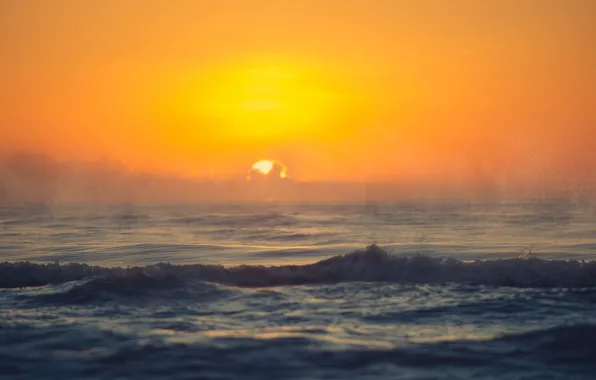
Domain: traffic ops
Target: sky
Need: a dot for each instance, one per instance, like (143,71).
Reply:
(338,90)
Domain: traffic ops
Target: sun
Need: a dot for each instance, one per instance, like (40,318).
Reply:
(268,169)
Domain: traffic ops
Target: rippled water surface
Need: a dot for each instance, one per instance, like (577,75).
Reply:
(453,290)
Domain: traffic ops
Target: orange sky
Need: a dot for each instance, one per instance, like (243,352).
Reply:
(336,89)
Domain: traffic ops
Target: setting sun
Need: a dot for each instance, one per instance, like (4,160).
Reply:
(268,169)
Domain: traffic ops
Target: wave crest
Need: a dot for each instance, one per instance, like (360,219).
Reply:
(370,264)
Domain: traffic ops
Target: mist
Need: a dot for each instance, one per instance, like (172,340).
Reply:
(30,177)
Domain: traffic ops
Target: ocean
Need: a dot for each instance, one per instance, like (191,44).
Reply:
(411,290)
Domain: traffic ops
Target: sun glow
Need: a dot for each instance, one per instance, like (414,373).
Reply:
(272,101)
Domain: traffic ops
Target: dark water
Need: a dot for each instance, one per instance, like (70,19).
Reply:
(454,290)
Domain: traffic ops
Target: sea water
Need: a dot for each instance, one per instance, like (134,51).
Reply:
(418,290)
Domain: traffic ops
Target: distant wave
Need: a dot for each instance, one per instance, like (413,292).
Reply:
(371,264)
(272,219)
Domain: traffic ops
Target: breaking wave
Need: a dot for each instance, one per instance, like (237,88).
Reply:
(371,264)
